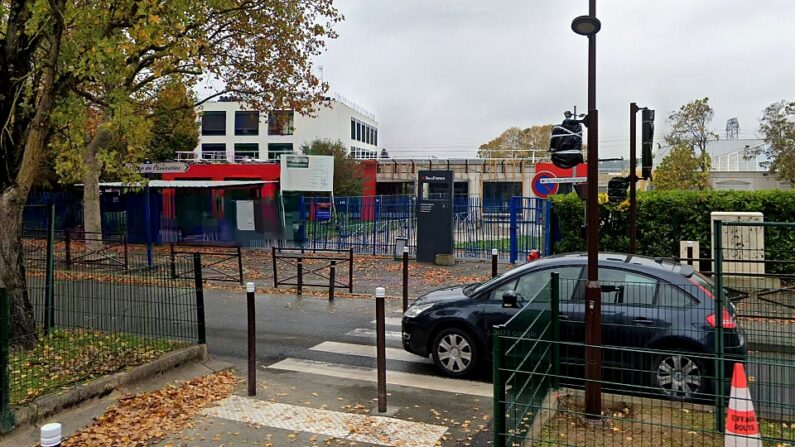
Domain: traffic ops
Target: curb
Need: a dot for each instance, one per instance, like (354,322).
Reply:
(46,406)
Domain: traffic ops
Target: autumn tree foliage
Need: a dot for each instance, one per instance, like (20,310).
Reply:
(680,169)
(778,128)
(690,127)
(347,173)
(529,143)
(82,77)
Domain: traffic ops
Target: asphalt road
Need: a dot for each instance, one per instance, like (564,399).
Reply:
(287,327)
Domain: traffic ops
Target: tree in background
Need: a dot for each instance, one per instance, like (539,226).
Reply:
(680,169)
(778,127)
(259,51)
(518,143)
(690,128)
(174,126)
(81,76)
(347,174)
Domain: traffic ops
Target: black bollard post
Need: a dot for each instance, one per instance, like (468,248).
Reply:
(300,277)
(405,278)
(380,327)
(331,279)
(252,340)
(493,262)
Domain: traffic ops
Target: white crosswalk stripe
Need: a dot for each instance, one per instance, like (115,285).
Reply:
(391,321)
(398,378)
(368,351)
(345,365)
(370,333)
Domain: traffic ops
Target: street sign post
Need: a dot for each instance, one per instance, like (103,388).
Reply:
(548,180)
(543,189)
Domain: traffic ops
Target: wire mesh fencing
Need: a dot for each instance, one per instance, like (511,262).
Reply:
(670,347)
(67,326)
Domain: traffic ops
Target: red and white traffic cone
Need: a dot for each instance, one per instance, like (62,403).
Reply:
(742,427)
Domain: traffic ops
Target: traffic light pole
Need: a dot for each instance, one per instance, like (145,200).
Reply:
(633,179)
(593,295)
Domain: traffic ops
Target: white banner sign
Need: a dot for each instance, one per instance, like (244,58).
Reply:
(545,181)
(308,173)
(245,215)
(159,167)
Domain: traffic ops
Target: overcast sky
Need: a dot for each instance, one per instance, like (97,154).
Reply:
(444,76)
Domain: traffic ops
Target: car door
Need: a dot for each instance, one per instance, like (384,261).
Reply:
(534,288)
(493,312)
(630,320)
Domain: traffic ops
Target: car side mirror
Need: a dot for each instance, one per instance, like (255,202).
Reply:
(509,299)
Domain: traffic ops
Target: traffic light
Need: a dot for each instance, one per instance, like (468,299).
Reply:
(565,144)
(647,135)
(617,189)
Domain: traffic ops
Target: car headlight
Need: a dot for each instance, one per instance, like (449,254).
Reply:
(417,309)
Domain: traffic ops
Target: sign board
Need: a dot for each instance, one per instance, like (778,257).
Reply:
(307,173)
(245,215)
(548,180)
(434,214)
(165,167)
(543,189)
(549,177)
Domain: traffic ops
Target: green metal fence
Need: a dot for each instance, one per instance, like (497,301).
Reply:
(525,367)
(90,319)
(670,350)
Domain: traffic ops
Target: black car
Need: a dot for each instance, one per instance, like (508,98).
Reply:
(664,310)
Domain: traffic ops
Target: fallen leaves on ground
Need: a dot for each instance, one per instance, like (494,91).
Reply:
(142,419)
(69,356)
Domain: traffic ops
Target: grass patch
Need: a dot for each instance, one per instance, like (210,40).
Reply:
(69,356)
(647,422)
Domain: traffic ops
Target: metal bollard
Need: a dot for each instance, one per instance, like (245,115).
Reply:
(300,276)
(380,327)
(405,278)
(252,340)
(493,262)
(50,435)
(331,279)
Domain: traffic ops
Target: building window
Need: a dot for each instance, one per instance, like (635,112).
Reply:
(375,137)
(214,151)
(353,129)
(281,122)
(358,131)
(247,123)
(497,195)
(214,123)
(275,150)
(246,151)
(368,136)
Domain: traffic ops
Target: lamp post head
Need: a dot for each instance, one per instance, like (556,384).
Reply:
(586,25)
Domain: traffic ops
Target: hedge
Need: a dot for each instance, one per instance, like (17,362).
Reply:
(667,217)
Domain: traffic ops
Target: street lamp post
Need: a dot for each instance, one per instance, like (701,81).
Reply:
(588,26)
(633,178)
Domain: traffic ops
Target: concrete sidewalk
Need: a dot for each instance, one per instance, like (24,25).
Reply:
(301,409)
(83,415)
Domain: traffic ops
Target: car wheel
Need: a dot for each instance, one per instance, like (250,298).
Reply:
(679,376)
(455,353)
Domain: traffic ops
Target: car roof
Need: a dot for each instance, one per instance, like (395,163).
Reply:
(622,260)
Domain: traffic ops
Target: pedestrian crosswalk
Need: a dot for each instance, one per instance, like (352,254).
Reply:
(353,359)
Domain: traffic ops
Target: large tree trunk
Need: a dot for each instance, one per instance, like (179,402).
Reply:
(22,153)
(92,213)
(12,267)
